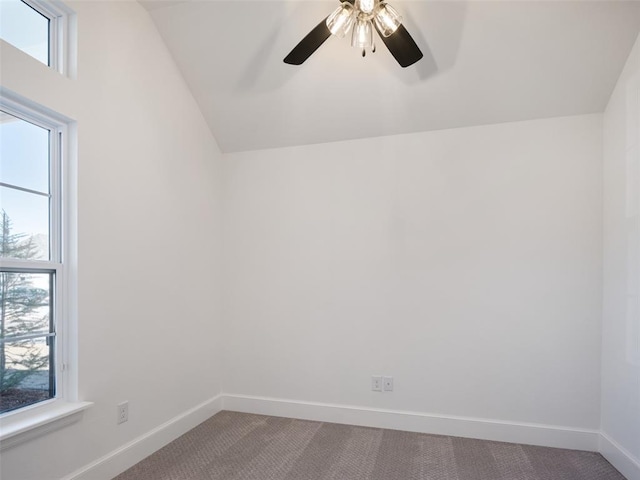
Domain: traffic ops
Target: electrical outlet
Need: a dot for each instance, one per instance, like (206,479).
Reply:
(387,384)
(376,383)
(123,412)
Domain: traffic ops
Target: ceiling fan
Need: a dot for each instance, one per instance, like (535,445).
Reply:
(363,16)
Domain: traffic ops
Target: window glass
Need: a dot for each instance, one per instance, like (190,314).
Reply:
(24,218)
(25,28)
(25,299)
(24,153)
(24,189)
(27,376)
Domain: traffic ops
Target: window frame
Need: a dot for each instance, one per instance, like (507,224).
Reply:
(56,264)
(31,422)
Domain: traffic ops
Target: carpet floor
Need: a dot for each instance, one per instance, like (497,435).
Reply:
(240,446)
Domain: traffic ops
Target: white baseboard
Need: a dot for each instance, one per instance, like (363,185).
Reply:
(527,433)
(121,459)
(620,458)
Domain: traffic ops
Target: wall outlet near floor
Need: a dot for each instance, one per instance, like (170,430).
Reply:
(123,412)
(387,384)
(376,383)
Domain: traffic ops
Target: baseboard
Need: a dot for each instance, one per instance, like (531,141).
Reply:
(121,459)
(527,433)
(619,457)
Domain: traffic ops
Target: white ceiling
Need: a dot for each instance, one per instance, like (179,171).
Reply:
(484,62)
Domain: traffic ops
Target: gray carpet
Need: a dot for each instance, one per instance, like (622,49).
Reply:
(239,446)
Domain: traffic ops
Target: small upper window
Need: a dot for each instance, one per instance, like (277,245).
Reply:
(38,28)
(26,28)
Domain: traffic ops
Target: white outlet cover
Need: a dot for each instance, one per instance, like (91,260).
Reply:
(387,383)
(123,412)
(376,383)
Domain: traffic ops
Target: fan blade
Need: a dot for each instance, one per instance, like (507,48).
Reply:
(308,44)
(402,46)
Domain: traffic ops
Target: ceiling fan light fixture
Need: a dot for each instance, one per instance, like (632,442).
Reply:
(387,19)
(341,20)
(364,16)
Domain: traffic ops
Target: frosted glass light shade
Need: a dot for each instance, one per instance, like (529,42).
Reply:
(387,19)
(340,21)
(362,36)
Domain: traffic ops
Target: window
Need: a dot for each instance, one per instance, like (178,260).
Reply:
(38,28)
(31,256)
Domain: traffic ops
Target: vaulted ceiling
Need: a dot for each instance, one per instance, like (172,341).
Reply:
(484,62)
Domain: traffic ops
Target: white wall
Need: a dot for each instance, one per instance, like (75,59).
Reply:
(148,264)
(465,263)
(621,317)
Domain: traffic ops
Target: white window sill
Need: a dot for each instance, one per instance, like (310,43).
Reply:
(31,422)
